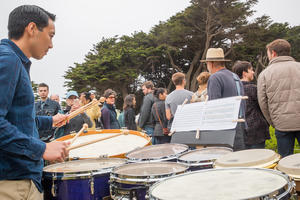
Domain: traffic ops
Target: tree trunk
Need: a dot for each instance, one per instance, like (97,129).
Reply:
(191,69)
(124,90)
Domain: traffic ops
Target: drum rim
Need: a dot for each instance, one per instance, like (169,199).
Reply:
(107,131)
(154,159)
(80,174)
(289,183)
(122,178)
(194,163)
(281,165)
(261,165)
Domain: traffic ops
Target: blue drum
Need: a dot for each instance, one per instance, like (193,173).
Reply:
(79,180)
(202,158)
(132,181)
(157,153)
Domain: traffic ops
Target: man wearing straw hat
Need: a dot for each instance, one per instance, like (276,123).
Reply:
(223,83)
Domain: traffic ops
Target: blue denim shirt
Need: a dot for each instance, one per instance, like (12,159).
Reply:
(21,150)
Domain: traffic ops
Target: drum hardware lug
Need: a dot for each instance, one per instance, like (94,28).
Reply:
(73,133)
(53,189)
(92,184)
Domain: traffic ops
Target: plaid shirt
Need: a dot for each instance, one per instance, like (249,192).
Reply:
(21,150)
(258,127)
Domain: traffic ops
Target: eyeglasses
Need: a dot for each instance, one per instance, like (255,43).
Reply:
(111,97)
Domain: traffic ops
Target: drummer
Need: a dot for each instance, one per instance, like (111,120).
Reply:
(30,32)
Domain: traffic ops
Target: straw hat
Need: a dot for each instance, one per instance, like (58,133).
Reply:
(215,54)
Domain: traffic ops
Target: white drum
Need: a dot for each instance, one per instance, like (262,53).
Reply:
(202,158)
(112,147)
(225,184)
(157,153)
(291,166)
(260,158)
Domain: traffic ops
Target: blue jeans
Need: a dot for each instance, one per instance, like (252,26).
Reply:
(286,142)
(149,130)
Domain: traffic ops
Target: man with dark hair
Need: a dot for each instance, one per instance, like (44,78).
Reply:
(258,127)
(45,107)
(223,83)
(145,120)
(278,90)
(177,97)
(21,151)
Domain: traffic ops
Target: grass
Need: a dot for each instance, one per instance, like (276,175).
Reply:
(272,143)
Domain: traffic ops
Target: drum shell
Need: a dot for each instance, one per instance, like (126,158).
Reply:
(105,131)
(60,183)
(124,185)
(77,189)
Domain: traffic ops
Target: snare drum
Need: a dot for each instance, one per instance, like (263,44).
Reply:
(132,181)
(157,153)
(225,184)
(260,158)
(79,179)
(291,166)
(202,158)
(113,147)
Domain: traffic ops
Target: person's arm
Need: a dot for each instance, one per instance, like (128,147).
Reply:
(262,98)
(145,111)
(214,88)
(105,116)
(168,109)
(131,119)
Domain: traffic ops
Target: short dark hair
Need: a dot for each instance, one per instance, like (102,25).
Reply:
(87,96)
(109,92)
(43,85)
(128,101)
(148,85)
(21,16)
(178,78)
(158,91)
(280,46)
(241,66)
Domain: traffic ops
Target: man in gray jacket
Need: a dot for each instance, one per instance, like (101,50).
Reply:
(278,91)
(145,120)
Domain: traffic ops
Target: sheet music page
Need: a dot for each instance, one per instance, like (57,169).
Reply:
(219,114)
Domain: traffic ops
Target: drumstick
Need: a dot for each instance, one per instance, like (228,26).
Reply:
(97,140)
(84,127)
(81,109)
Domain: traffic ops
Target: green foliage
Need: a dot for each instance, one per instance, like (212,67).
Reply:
(35,90)
(272,143)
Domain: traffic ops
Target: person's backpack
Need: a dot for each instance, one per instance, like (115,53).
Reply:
(121,119)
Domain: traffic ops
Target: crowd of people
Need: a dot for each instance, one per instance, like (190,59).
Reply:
(27,127)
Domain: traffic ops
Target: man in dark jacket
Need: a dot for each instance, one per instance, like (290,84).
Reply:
(258,128)
(45,107)
(145,119)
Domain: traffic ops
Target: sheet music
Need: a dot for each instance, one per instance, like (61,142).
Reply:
(219,114)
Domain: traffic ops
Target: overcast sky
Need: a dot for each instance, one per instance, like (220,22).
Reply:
(80,24)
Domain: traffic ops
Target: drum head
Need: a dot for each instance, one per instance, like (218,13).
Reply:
(233,183)
(157,152)
(248,158)
(84,166)
(209,154)
(114,146)
(290,165)
(144,170)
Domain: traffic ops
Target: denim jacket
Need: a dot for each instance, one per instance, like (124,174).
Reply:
(21,150)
